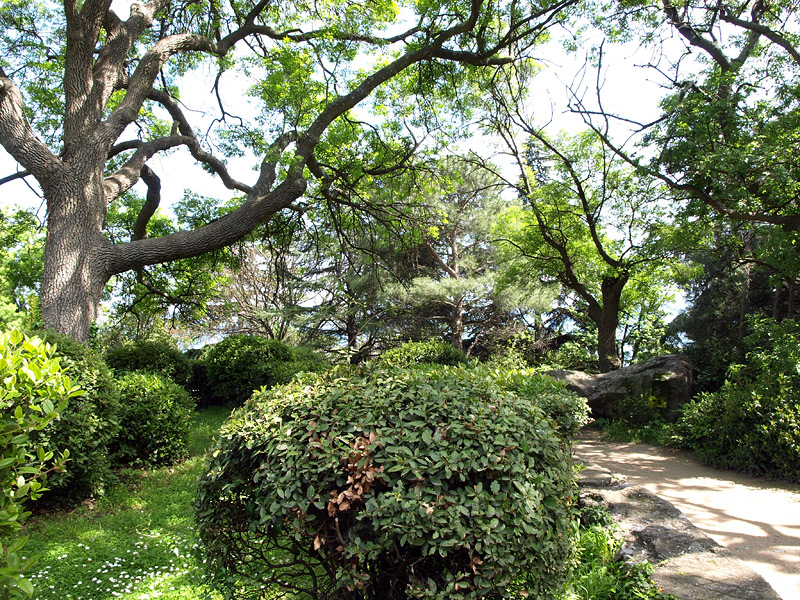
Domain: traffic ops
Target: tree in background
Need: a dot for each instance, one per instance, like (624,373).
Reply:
(456,289)
(726,134)
(21,249)
(179,296)
(88,97)
(591,225)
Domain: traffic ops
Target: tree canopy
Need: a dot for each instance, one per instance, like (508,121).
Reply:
(89,96)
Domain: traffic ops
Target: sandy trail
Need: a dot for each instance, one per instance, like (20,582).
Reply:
(757,520)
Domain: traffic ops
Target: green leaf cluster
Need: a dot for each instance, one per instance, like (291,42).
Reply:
(86,427)
(153,356)
(240,364)
(752,423)
(155,418)
(431,482)
(436,352)
(34,390)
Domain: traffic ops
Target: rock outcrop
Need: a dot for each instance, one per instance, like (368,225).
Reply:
(663,383)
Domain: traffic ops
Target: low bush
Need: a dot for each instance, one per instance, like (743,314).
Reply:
(569,411)
(151,356)
(436,352)
(34,391)
(752,423)
(87,426)
(155,420)
(240,364)
(601,575)
(303,360)
(431,483)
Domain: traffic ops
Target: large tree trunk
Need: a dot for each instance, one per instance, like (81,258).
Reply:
(76,257)
(607,321)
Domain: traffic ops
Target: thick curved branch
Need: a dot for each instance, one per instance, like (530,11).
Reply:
(19,139)
(263,201)
(193,144)
(344,103)
(151,203)
(128,174)
(768,33)
(109,68)
(218,234)
(694,37)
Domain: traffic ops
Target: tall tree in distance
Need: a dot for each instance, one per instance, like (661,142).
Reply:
(589,223)
(82,86)
(725,136)
(457,287)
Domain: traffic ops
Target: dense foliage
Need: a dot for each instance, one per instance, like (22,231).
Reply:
(155,415)
(436,352)
(87,426)
(601,574)
(569,411)
(430,482)
(753,422)
(152,356)
(34,391)
(240,364)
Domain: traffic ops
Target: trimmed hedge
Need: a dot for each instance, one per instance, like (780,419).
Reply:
(431,482)
(152,357)
(87,426)
(155,420)
(433,351)
(240,364)
(569,411)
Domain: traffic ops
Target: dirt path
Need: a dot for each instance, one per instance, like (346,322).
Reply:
(757,520)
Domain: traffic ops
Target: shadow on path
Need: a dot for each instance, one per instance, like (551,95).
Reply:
(758,521)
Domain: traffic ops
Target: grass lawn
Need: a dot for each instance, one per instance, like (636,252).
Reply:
(138,541)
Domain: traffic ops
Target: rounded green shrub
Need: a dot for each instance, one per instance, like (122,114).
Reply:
(303,360)
(153,357)
(87,426)
(568,411)
(430,482)
(752,423)
(436,352)
(240,364)
(155,420)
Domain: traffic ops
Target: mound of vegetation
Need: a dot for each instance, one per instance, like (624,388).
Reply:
(436,352)
(431,482)
(150,356)
(240,364)
(87,426)
(752,423)
(155,419)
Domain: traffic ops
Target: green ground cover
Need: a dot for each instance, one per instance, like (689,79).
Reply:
(136,542)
